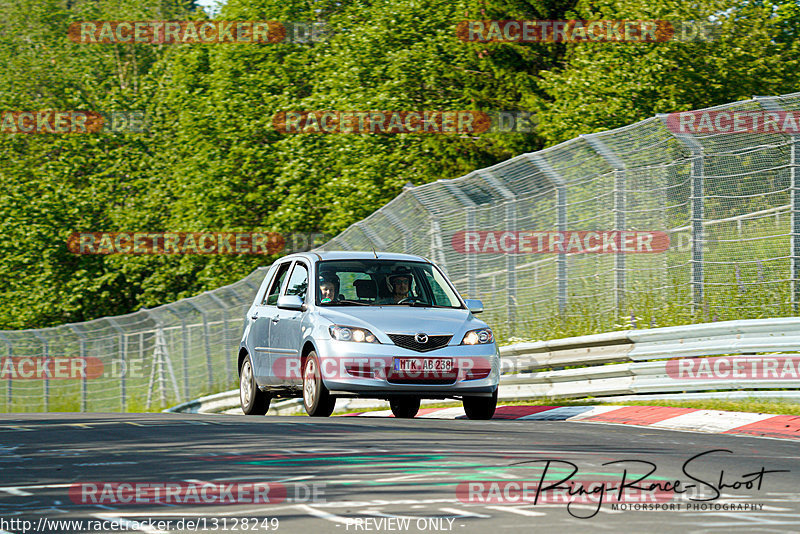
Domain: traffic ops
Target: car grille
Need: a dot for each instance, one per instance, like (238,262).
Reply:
(407,341)
(432,381)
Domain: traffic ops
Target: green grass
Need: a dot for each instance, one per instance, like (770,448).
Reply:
(741,288)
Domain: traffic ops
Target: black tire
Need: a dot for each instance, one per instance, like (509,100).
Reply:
(317,399)
(404,407)
(480,407)
(253,400)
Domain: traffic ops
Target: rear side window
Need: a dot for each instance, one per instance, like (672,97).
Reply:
(271,298)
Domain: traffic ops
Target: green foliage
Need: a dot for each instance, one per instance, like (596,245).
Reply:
(212,160)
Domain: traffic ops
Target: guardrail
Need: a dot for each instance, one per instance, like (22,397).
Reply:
(629,363)
(228,402)
(634,362)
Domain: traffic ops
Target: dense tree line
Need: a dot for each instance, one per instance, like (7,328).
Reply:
(212,161)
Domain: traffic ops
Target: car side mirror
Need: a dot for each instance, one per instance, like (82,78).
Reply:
(474,305)
(291,302)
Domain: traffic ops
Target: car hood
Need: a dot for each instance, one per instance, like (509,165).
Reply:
(404,319)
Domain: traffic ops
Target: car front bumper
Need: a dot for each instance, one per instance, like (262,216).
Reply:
(366,369)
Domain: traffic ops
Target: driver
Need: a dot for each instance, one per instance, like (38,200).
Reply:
(399,284)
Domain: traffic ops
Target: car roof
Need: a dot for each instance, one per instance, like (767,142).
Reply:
(355,255)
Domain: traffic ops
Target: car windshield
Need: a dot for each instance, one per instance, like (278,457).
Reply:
(383,283)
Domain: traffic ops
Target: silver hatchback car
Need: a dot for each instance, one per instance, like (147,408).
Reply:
(365,324)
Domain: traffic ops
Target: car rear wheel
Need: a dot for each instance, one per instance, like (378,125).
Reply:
(480,407)
(317,399)
(404,407)
(253,400)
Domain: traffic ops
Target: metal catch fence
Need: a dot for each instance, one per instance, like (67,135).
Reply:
(141,361)
(729,203)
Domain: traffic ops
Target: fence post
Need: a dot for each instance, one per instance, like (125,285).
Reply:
(206,335)
(225,337)
(620,282)
(696,199)
(472,259)
(436,252)
(82,344)
(10,389)
(795,222)
(46,357)
(772,104)
(395,221)
(372,236)
(185,338)
(123,355)
(511,226)
(161,362)
(561,222)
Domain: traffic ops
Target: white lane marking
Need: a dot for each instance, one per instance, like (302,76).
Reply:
(130,525)
(711,420)
(464,513)
(254,477)
(444,413)
(15,491)
(556,414)
(306,477)
(382,514)
(514,510)
(19,490)
(405,477)
(376,413)
(326,515)
(596,410)
(104,463)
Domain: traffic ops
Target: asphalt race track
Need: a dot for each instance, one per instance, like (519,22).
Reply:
(360,474)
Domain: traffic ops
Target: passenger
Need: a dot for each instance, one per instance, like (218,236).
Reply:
(328,288)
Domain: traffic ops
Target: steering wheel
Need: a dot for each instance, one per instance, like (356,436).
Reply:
(407,299)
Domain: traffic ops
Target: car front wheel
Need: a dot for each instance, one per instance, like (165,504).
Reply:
(317,399)
(404,407)
(480,407)
(253,400)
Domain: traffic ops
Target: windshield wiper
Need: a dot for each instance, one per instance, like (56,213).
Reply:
(345,303)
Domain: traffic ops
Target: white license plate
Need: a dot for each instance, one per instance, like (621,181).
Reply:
(418,365)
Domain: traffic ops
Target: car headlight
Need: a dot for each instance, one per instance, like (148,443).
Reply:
(349,333)
(478,337)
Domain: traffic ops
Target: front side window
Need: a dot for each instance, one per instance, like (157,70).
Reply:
(383,283)
(298,282)
(271,298)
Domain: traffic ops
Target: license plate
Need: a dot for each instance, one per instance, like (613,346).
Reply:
(418,365)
